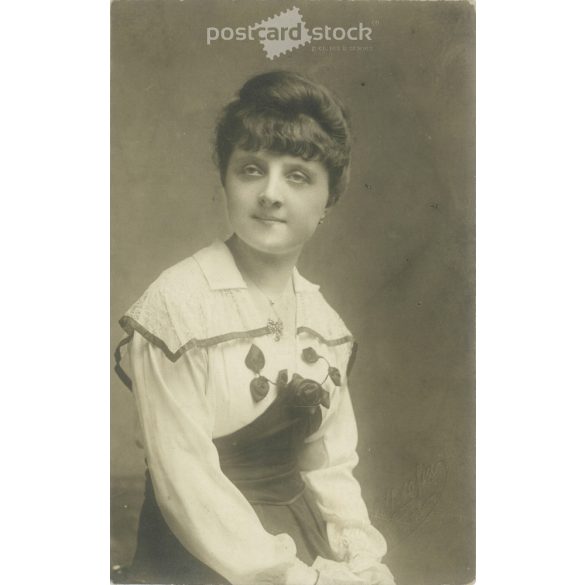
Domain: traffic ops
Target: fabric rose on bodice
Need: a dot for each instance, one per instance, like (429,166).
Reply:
(307,393)
(304,392)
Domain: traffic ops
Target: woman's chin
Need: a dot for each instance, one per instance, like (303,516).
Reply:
(277,246)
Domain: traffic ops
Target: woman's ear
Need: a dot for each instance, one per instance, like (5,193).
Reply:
(331,201)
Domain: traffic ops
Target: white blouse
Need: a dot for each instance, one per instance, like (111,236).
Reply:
(196,324)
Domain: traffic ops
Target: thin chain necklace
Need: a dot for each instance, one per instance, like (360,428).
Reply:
(275,326)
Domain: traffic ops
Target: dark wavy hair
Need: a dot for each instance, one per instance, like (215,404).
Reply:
(286,113)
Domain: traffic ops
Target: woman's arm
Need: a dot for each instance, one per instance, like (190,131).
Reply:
(206,512)
(328,462)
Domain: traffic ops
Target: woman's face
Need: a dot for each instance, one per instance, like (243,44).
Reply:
(275,201)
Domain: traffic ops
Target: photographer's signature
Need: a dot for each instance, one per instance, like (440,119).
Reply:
(409,504)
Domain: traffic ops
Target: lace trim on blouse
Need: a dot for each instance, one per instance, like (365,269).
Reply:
(180,311)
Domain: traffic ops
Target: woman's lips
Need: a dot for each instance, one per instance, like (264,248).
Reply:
(269,219)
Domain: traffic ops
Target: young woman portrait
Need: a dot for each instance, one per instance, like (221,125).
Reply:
(240,370)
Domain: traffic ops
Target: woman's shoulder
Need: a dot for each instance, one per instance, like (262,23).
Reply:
(192,278)
(316,316)
(318,321)
(174,309)
(183,279)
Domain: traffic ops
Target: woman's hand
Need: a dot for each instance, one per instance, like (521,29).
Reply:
(301,574)
(335,573)
(377,574)
(370,570)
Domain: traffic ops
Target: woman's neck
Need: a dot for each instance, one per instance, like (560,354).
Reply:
(269,272)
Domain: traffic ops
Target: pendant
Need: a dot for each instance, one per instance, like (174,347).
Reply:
(275,327)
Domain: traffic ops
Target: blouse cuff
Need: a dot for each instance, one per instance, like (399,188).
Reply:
(360,545)
(300,574)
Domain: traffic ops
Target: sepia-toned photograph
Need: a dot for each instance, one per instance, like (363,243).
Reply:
(292,292)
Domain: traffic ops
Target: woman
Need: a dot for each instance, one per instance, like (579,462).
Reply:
(239,368)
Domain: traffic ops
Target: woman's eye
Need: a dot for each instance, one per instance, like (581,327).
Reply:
(298,177)
(252,171)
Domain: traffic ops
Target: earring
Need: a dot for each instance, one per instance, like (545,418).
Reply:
(321,220)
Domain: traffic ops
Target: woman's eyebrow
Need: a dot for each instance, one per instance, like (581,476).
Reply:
(300,165)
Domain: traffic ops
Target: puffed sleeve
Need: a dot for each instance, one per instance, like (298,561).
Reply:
(328,462)
(206,512)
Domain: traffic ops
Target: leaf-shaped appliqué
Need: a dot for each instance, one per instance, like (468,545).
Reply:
(255,359)
(282,379)
(309,355)
(335,376)
(259,388)
(325,399)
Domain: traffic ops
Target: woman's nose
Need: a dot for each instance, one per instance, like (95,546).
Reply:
(272,192)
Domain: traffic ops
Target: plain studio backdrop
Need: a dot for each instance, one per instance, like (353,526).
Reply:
(395,257)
